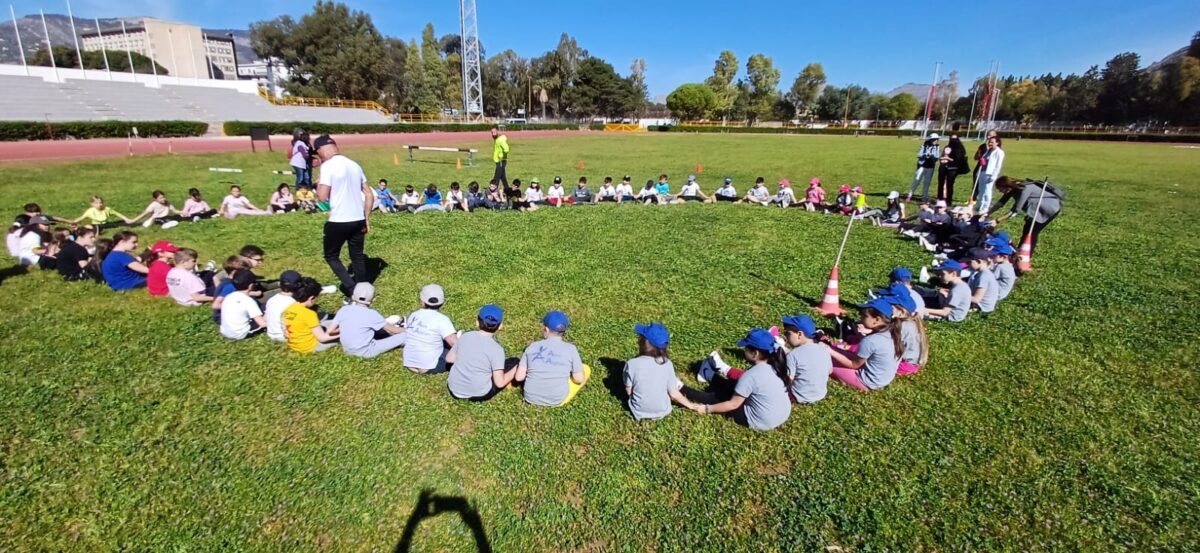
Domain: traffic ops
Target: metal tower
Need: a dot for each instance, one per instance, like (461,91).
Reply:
(472,77)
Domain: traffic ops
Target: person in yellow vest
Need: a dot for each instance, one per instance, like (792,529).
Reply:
(500,156)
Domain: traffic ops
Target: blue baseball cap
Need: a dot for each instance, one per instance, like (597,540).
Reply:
(759,339)
(950,265)
(901,274)
(803,323)
(491,314)
(655,333)
(898,294)
(882,305)
(728,180)
(556,321)
(1003,249)
(979,254)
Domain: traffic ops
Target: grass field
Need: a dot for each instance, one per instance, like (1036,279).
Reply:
(1067,420)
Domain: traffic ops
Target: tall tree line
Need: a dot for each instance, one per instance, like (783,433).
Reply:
(337,52)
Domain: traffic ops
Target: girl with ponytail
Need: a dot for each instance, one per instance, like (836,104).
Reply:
(760,399)
(873,366)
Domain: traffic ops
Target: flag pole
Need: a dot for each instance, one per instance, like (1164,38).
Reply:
(17,31)
(75,36)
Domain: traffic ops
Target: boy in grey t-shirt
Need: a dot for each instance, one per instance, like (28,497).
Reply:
(478,372)
(953,304)
(808,363)
(650,381)
(365,333)
(984,289)
(551,368)
(1002,268)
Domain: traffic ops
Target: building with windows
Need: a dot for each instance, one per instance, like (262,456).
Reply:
(184,50)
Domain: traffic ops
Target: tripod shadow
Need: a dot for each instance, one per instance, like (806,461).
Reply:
(430,506)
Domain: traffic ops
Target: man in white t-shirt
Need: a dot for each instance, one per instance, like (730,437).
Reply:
(344,185)
(430,334)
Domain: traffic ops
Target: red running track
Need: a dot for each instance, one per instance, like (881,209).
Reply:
(120,147)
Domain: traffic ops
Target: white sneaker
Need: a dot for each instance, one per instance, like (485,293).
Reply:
(924,276)
(329,289)
(720,364)
(195,218)
(170,224)
(393,320)
(149,223)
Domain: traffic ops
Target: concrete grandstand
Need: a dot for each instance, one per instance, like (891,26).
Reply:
(45,94)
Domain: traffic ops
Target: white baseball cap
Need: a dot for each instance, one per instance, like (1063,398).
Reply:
(364,293)
(433,295)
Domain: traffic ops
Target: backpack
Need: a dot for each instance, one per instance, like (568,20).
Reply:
(1049,188)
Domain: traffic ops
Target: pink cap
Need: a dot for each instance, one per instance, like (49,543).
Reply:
(814,181)
(858,189)
(785,182)
(844,188)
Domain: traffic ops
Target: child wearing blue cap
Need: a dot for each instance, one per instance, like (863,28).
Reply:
(1002,267)
(912,329)
(478,371)
(808,363)
(726,193)
(650,381)
(551,367)
(873,366)
(903,276)
(952,303)
(760,399)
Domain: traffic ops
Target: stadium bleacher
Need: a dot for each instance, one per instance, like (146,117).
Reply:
(32,98)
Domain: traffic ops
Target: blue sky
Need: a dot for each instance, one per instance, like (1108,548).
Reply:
(878,44)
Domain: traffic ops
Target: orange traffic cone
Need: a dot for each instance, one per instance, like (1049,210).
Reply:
(1025,254)
(699,169)
(579,165)
(458,163)
(831,305)
(395,159)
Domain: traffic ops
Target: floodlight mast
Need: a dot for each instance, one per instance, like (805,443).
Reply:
(472,77)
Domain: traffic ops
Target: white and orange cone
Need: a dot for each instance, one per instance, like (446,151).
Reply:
(1025,254)
(831,305)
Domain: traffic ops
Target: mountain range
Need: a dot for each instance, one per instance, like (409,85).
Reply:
(59,27)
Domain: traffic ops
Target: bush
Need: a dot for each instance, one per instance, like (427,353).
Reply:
(242,128)
(41,130)
(595,126)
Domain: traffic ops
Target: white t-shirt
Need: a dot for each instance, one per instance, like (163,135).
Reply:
(533,194)
(690,189)
(606,191)
(426,329)
(158,211)
(727,191)
(274,316)
(785,194)
(27,243)
(181,284)
(554,192)
(231,202)
(454,197)
(411,199)
(236,311)
(625,189)
(345,178)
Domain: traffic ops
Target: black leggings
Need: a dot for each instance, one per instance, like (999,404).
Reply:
(946,184)
(726,199)
(204,214)
(501,176)
(284,208)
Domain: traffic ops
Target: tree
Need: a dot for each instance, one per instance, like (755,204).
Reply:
(118,60)
(763,78)
(1193,50)
(721,83)
(638,90)
(1120,84)
(833,102)
(902,107)
(1027,99)
(420,94)
(331,52)
(598,90)
(691,101)
(505,84)
(806,87)
(554,72)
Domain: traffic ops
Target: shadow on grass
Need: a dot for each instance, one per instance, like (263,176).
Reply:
(614,377)
(375,267)
(9,272)
(430,506)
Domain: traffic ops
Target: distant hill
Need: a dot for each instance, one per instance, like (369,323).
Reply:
(33,39)
(1169,59)
(919,90)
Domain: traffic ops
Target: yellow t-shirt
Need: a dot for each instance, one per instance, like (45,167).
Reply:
(95,216)
(861,201)
(298,322)
(305,195)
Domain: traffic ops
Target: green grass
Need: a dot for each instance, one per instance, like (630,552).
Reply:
(1067,420)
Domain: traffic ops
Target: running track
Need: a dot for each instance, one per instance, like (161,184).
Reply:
(120,147)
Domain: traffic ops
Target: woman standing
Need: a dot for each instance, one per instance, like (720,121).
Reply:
(301,158)
(927,159)
(1041,202)
(952,164)
(989,174)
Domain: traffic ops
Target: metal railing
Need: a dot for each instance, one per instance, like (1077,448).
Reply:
(323,102)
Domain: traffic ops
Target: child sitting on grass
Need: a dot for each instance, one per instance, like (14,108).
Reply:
(195,208)
(814,197)
(785,197)
(478,370)
(433,200)
(691,192)
(364,332)
(411,200)
(873,363)
(551,368)
(647,195)
(808,362)
(985,291)
(624,190)
(555,195)
(726,193)
(455,199)
(156,278)
(304,330)
(122,271)
(1002,267)
(760,399)
(607,192)
(159,212)
(430,333)
(289,282)
(306,199)
(759,194)
(100,216)
(183,284)
(384,200)
(950,304)
(241,316)
(844,202)
(912,328)
(650,381)
(223,282)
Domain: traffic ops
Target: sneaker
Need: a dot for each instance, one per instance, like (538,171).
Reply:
(328,289)
(149,223)
(721,366)
(706,371)
(393,320)
(871,294)
(170,224)
(210,266)
(195,218)
(924,276)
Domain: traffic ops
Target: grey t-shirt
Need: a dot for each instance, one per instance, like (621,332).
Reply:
(991,291)
(652,383)
(549,364)
(1006,277)
(358,324)
(960,302)
(910,336)
(767,405)
(809,366)
(917,299)
(477,355)
(880,352)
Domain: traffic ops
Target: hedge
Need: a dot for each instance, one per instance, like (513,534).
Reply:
(242,128)
(1008,135)
(41,130)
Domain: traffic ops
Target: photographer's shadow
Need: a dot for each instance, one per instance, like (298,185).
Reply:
(430,506)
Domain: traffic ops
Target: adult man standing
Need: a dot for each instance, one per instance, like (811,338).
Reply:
(344,186)
(500,156)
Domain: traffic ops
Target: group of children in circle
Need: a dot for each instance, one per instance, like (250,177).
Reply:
(790,362)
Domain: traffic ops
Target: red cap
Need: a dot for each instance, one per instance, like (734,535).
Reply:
(164,246)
